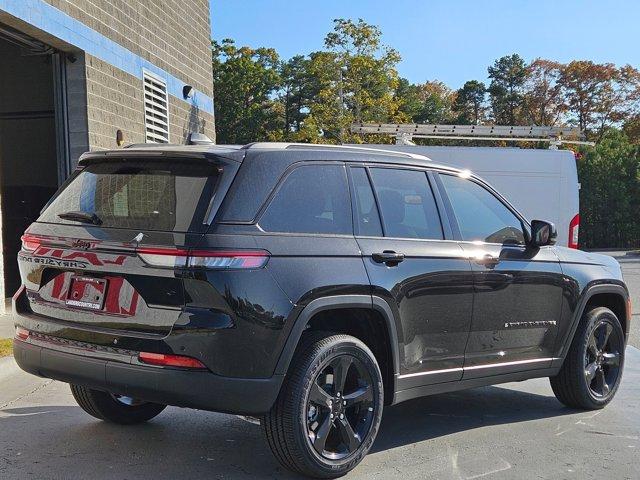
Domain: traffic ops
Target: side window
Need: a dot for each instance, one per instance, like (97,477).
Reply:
(365,209)
(480,215)
(407,205)
(312,199)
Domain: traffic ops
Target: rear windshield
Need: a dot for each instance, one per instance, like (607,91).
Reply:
(140,195)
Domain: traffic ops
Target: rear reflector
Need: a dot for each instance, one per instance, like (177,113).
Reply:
(30,242)
(22,333)
(170,360)
(212,259)
(574,231)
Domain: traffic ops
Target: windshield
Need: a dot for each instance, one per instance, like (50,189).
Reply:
(140,195)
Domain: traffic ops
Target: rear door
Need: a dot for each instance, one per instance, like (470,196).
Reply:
(411,263)
(108,249)
(518,289)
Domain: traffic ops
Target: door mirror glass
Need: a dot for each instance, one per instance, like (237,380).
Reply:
(543,233)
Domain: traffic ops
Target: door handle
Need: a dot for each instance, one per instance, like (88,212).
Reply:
(388,257)
(487,260)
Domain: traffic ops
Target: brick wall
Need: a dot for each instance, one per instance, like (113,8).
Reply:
(172,34)
(115,101)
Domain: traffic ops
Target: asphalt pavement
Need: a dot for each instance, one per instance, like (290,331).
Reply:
(511,431)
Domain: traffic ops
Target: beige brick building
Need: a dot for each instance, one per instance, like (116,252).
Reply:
(77,75)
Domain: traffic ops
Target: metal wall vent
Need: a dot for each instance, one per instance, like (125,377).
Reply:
(156,109)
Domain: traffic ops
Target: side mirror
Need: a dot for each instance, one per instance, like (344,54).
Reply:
(543,233)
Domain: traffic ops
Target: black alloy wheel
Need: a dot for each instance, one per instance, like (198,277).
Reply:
(329,410)
(340,407)
(592,369)
(602,358)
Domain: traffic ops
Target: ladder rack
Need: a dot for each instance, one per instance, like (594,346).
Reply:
(406,132)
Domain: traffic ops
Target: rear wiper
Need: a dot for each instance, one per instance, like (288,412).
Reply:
(83,217)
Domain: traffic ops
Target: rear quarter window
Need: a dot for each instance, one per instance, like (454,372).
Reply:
(311,199)
(140,195)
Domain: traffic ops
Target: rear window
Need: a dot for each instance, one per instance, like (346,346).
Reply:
(140,195)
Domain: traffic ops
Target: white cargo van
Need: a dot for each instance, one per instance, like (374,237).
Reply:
(542,184)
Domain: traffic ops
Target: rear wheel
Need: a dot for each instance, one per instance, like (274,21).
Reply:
(592,370)
(114,408)
(329,409)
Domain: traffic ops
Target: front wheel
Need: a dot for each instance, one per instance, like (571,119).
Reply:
(114,408)
(329,409)
(592,370)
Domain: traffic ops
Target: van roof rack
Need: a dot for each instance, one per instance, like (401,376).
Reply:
(406,132)
(323,146)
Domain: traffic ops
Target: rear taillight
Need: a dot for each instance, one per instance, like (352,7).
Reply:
(163,257)
(163,360)
(228,259)
(30,242)
(574,231)
(22,333)
(212,259)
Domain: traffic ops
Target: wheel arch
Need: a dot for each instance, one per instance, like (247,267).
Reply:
(611,295)
(323,305)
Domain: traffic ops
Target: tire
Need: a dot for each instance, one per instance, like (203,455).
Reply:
(591,372)
(114,409)
(295,423)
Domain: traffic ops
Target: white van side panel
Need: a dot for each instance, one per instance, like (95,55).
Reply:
(541,184)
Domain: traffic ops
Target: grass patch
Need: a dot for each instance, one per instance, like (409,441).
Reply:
(6,347)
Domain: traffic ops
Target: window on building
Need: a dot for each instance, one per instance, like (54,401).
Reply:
(480,215)
(156,109)
(312,199)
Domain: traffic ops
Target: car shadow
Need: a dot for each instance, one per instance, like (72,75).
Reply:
(63,442)
(435,416)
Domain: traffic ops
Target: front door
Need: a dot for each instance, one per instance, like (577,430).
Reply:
(425,279)
(518,288)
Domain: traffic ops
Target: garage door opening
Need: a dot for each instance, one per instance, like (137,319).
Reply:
(30,147)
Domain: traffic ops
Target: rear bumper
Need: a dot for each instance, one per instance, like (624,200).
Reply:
(167,386)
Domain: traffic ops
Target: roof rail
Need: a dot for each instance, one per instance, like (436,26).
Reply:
(405,132)
(323,146)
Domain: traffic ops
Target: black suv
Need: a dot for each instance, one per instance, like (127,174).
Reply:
(307,286)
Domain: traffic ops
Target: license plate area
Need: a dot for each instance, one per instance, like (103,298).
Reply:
(87,293)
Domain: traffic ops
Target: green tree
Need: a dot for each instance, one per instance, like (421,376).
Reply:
(609,176)
(508,75)
(469,103)
(245,81)
(409,100)
(437,103)
(299,88)
(356,78)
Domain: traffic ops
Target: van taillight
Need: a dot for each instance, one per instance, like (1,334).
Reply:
(30,242)
(210,259)
(574,230)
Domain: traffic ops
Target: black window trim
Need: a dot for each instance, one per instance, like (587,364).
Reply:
(453,219)
(283,178)
(445,225)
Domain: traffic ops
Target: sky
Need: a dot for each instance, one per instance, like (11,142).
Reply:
(452,41)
